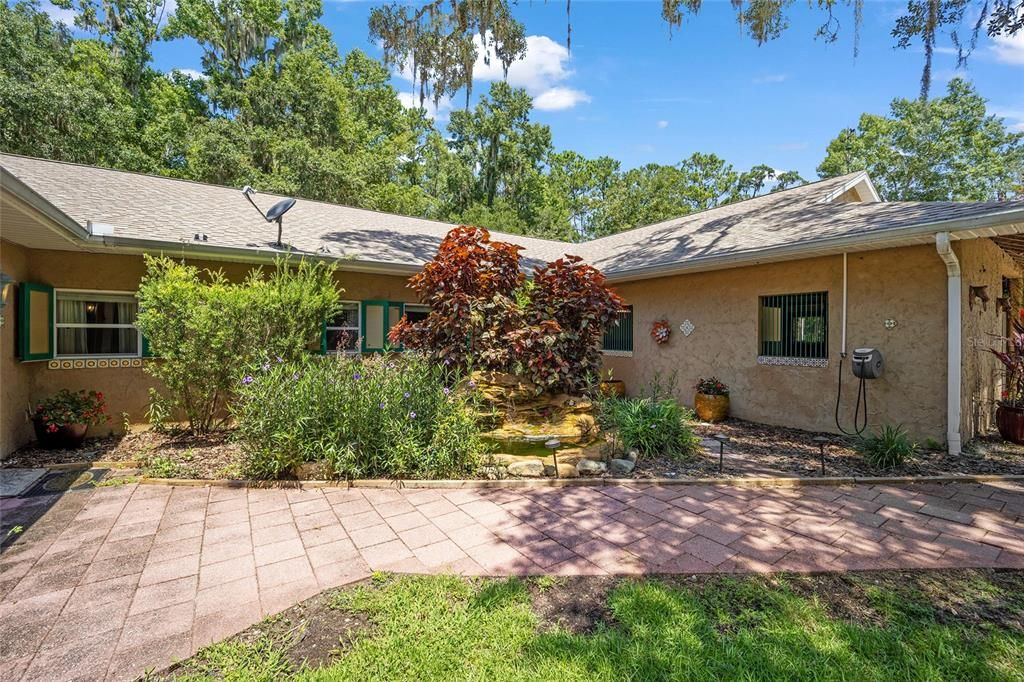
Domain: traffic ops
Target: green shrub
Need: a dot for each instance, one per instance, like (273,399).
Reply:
(653,427)
(887,448)
(384,415)
(207,330)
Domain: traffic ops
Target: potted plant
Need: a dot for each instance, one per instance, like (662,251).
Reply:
(62,420)
(712,400)
(612,388)
(1010,407)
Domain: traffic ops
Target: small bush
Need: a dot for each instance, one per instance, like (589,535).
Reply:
(887,448)
(654,427)
(386,415)
(206,329)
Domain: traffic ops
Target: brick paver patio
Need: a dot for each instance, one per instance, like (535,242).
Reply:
(114,581)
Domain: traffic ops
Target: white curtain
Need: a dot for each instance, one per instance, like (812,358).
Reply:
(72,340)
(97,311)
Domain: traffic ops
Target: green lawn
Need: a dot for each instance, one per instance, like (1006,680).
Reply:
(885,627)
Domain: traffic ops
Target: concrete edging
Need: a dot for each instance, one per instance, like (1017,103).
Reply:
(97,464)
(400,484)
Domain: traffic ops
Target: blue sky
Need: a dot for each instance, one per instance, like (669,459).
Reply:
(629,91)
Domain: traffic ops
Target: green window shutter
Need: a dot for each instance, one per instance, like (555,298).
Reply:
(323,338)
(375,314)
(146,352)
(35,322)
(378,319)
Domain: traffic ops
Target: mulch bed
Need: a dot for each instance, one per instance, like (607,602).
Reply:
(752,450)
(174,454)
(775,450)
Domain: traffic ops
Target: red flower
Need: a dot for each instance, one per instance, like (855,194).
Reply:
(52,428)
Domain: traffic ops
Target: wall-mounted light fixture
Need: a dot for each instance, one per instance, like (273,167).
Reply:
(6,287)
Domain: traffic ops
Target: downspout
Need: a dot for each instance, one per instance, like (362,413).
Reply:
(842,346)
(953,349)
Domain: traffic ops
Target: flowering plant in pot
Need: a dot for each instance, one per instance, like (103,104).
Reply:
(712,400)
(1010,407)
(62,420)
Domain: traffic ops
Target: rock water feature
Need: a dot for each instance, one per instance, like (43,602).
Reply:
(532,430)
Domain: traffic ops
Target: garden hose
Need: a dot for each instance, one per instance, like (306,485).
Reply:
(862,397)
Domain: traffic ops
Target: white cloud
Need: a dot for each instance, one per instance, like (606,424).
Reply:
(542,72)
(771,78)
(411,100)
(58,14)
(662,124)
(1009,49)
(192,73)
(559,98)
(1013,117)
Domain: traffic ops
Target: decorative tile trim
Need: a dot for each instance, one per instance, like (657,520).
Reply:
(94,363)
(618,353)
(772,361)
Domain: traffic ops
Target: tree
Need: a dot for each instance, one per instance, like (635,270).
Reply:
(65,98)
(436,40)
(580,185)
(491,167)
(129,27)
(438,46)
(237,36)
(945,149)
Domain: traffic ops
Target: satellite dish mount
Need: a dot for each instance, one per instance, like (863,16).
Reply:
(274,215)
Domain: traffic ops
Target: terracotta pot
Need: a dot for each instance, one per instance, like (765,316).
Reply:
(614,388)
(711,408)
(67,437)
(1010,422)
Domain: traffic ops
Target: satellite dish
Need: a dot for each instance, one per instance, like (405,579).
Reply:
(279,209)
(275,213)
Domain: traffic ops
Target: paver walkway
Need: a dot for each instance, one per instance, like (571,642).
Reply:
(111,582)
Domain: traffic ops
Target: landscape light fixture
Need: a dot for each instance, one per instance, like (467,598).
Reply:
(274,215)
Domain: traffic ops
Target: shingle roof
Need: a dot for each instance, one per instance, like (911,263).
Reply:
(166,210)
(770,221)
(170,210)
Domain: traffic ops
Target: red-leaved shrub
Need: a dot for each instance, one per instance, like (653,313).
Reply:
(483,316)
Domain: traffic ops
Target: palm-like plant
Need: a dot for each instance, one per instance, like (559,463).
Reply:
(1013,368)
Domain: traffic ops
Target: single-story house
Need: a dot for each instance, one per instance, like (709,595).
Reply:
(770,294)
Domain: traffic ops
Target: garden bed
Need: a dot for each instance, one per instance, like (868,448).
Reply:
(763,449)
(962,624)
(752,450)
(171,454)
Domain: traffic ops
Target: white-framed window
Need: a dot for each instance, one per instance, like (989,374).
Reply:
(96,324)
(416,312)
(343,333)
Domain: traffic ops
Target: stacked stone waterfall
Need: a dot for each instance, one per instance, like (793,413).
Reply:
(517,409)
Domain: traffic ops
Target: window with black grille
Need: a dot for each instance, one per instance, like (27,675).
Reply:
(618,336)
(794,325)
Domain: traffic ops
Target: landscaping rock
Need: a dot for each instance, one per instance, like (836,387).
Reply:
(530,468)
(567,470)
(493,473)
(588,467)
(564,470)
(620,467)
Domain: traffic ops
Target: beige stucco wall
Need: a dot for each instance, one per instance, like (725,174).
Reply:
(982,263)
(906,285)
(15,377)
(125,389)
